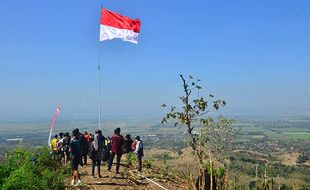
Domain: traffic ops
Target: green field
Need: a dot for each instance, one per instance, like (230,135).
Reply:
(253,129)
(292,129)
(259,132)
(298,135)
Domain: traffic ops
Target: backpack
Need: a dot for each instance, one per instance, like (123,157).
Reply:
(105,155)
(127,145)
(92,153)
(124,150)
(82,140)
(133,146)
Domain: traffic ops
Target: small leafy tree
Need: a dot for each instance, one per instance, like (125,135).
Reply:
(213,132)
(219,136)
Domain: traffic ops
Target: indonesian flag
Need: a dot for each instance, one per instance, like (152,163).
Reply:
(113,25)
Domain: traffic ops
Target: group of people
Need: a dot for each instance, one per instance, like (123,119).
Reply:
(78,147)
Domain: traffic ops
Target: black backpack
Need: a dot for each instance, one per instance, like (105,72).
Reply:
(92,153)
(105,155)
(82,139)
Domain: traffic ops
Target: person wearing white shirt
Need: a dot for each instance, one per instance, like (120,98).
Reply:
(139,152)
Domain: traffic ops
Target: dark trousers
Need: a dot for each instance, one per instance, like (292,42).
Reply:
(81,160)
(94,163)
(85,158)
(139,163)
(118,160)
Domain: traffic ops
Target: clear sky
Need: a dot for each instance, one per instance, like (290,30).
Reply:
(254,54)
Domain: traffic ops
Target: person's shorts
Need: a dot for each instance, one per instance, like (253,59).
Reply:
(75,163)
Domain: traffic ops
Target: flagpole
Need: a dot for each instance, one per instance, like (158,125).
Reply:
(99,93)
(99,86)
(49,137)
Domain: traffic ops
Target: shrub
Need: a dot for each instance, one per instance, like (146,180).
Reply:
(149,164)
(32,169)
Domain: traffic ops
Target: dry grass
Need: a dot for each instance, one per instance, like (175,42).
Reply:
(289,158)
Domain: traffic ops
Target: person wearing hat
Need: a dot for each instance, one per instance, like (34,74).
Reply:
(139,152)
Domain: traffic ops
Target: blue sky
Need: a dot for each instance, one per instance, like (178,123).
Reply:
(254,54)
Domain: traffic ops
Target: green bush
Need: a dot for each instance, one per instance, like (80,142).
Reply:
(149,164)
(25,169)
(132,158)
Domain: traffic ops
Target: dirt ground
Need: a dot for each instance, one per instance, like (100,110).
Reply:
(127,179)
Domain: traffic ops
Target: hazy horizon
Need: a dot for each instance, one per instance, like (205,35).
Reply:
(135,114)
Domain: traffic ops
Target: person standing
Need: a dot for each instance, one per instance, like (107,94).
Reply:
(54,143)
(128,143)
(86,136)
(66,143)
(75,152)
(60,146)
(86,147)
(54,149)
(117,142)
(97,146)
(139,152)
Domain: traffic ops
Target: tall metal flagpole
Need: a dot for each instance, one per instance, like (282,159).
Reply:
(99,91)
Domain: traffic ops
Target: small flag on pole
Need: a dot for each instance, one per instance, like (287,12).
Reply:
(114,25)
(55,116)
(53,123)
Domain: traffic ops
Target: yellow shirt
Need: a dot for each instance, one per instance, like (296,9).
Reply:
(54,144)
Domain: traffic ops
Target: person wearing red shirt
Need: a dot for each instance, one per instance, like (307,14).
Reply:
(86,136)
(86,146)
(117,142)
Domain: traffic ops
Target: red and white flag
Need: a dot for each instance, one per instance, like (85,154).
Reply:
(53,124)
(55,116)
(113,25)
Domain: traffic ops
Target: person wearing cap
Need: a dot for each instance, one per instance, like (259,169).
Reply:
(139,152)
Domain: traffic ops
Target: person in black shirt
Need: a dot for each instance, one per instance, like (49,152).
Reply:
(97,145)
(75,153)
(127,143)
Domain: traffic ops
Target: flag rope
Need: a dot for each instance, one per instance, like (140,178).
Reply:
(82,103)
